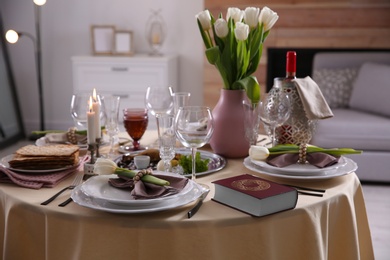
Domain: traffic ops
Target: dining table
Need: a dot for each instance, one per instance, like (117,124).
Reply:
(334,226)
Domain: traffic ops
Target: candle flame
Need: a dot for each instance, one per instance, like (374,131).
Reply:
(94,95)
(90,104)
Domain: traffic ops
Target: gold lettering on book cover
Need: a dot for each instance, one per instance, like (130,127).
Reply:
(251,185)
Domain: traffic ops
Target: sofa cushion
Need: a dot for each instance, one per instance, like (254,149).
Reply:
(336,85)
(371,90)
(354,129)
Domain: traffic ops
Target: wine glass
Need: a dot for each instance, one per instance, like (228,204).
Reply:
(274,111)
(251,121)
(194,127)
(136,122)
(79,107)
(111,109)
(167,139)
(158,100)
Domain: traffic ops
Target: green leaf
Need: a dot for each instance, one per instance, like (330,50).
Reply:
(256,39)
(254,63)
(292,148)
(146,178)
(213,55)
(251,87)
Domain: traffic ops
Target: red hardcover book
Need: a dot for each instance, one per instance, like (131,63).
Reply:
(254,195)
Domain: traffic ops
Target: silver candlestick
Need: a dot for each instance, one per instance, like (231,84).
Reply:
(88,167)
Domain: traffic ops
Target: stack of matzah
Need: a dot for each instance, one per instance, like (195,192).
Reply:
(32,157)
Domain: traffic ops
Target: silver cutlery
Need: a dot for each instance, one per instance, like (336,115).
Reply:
(192,211)
(308,191)
(76,181)
(66,202)
(69,200)
(261,140)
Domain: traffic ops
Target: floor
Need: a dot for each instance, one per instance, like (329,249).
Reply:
(377,199)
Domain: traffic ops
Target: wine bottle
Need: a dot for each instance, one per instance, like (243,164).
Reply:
(291,65)
(297,129)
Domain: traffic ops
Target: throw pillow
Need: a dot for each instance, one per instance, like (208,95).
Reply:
(336,85)
(371,89)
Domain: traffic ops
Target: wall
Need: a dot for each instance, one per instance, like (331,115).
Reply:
(310,23)
(66,33)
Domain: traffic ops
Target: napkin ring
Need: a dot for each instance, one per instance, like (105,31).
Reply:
(302,154)
(71,135)
(141,174)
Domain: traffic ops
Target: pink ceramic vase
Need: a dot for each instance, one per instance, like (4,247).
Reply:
(228,139)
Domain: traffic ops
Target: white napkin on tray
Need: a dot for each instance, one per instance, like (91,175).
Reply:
(313,101)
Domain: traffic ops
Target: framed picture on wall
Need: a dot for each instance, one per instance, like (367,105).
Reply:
(102,39)
(123,43)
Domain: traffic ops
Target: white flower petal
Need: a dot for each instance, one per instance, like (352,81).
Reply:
(241,31)
(235,13)
(104,166)
(205,19)
(268,18)
(251,16)
(259,153)
(221,28)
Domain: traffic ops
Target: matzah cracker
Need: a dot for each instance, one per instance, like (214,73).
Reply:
(48,150)
(33,157)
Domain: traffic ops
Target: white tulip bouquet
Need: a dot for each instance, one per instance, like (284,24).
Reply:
(236,46)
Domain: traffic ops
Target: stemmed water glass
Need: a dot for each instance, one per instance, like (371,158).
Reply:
(167,139)
(158,100)
(180,99)
(251,121)
(194,127)
(111,109)
(135,121)
(274,111)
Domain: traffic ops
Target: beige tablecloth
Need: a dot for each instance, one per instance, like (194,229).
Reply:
(332,227)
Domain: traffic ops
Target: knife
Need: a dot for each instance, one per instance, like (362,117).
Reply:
(198,204)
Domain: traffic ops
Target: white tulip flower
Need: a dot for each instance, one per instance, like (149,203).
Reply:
(258,153)
(251,16)
(241,31)
(221,28)
(268,18)
(235,13)
(104,166)
(205,19)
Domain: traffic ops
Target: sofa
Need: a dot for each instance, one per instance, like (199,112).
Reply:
(356,85)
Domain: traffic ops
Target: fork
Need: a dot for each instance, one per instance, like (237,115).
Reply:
(76,181)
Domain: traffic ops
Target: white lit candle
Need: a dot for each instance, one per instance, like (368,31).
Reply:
(91,127)
(96,109)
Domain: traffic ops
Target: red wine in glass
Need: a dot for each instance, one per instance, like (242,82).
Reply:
(136,122)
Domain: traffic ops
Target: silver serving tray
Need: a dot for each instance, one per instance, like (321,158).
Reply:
(216,163)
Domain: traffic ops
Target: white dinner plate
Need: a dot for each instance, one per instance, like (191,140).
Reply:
(98,187)
(350,166)
(301,169)
(83,200)
(4,161)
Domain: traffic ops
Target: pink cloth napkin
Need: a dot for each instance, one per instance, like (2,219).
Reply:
(320,160)
(37,181)
(144,190)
